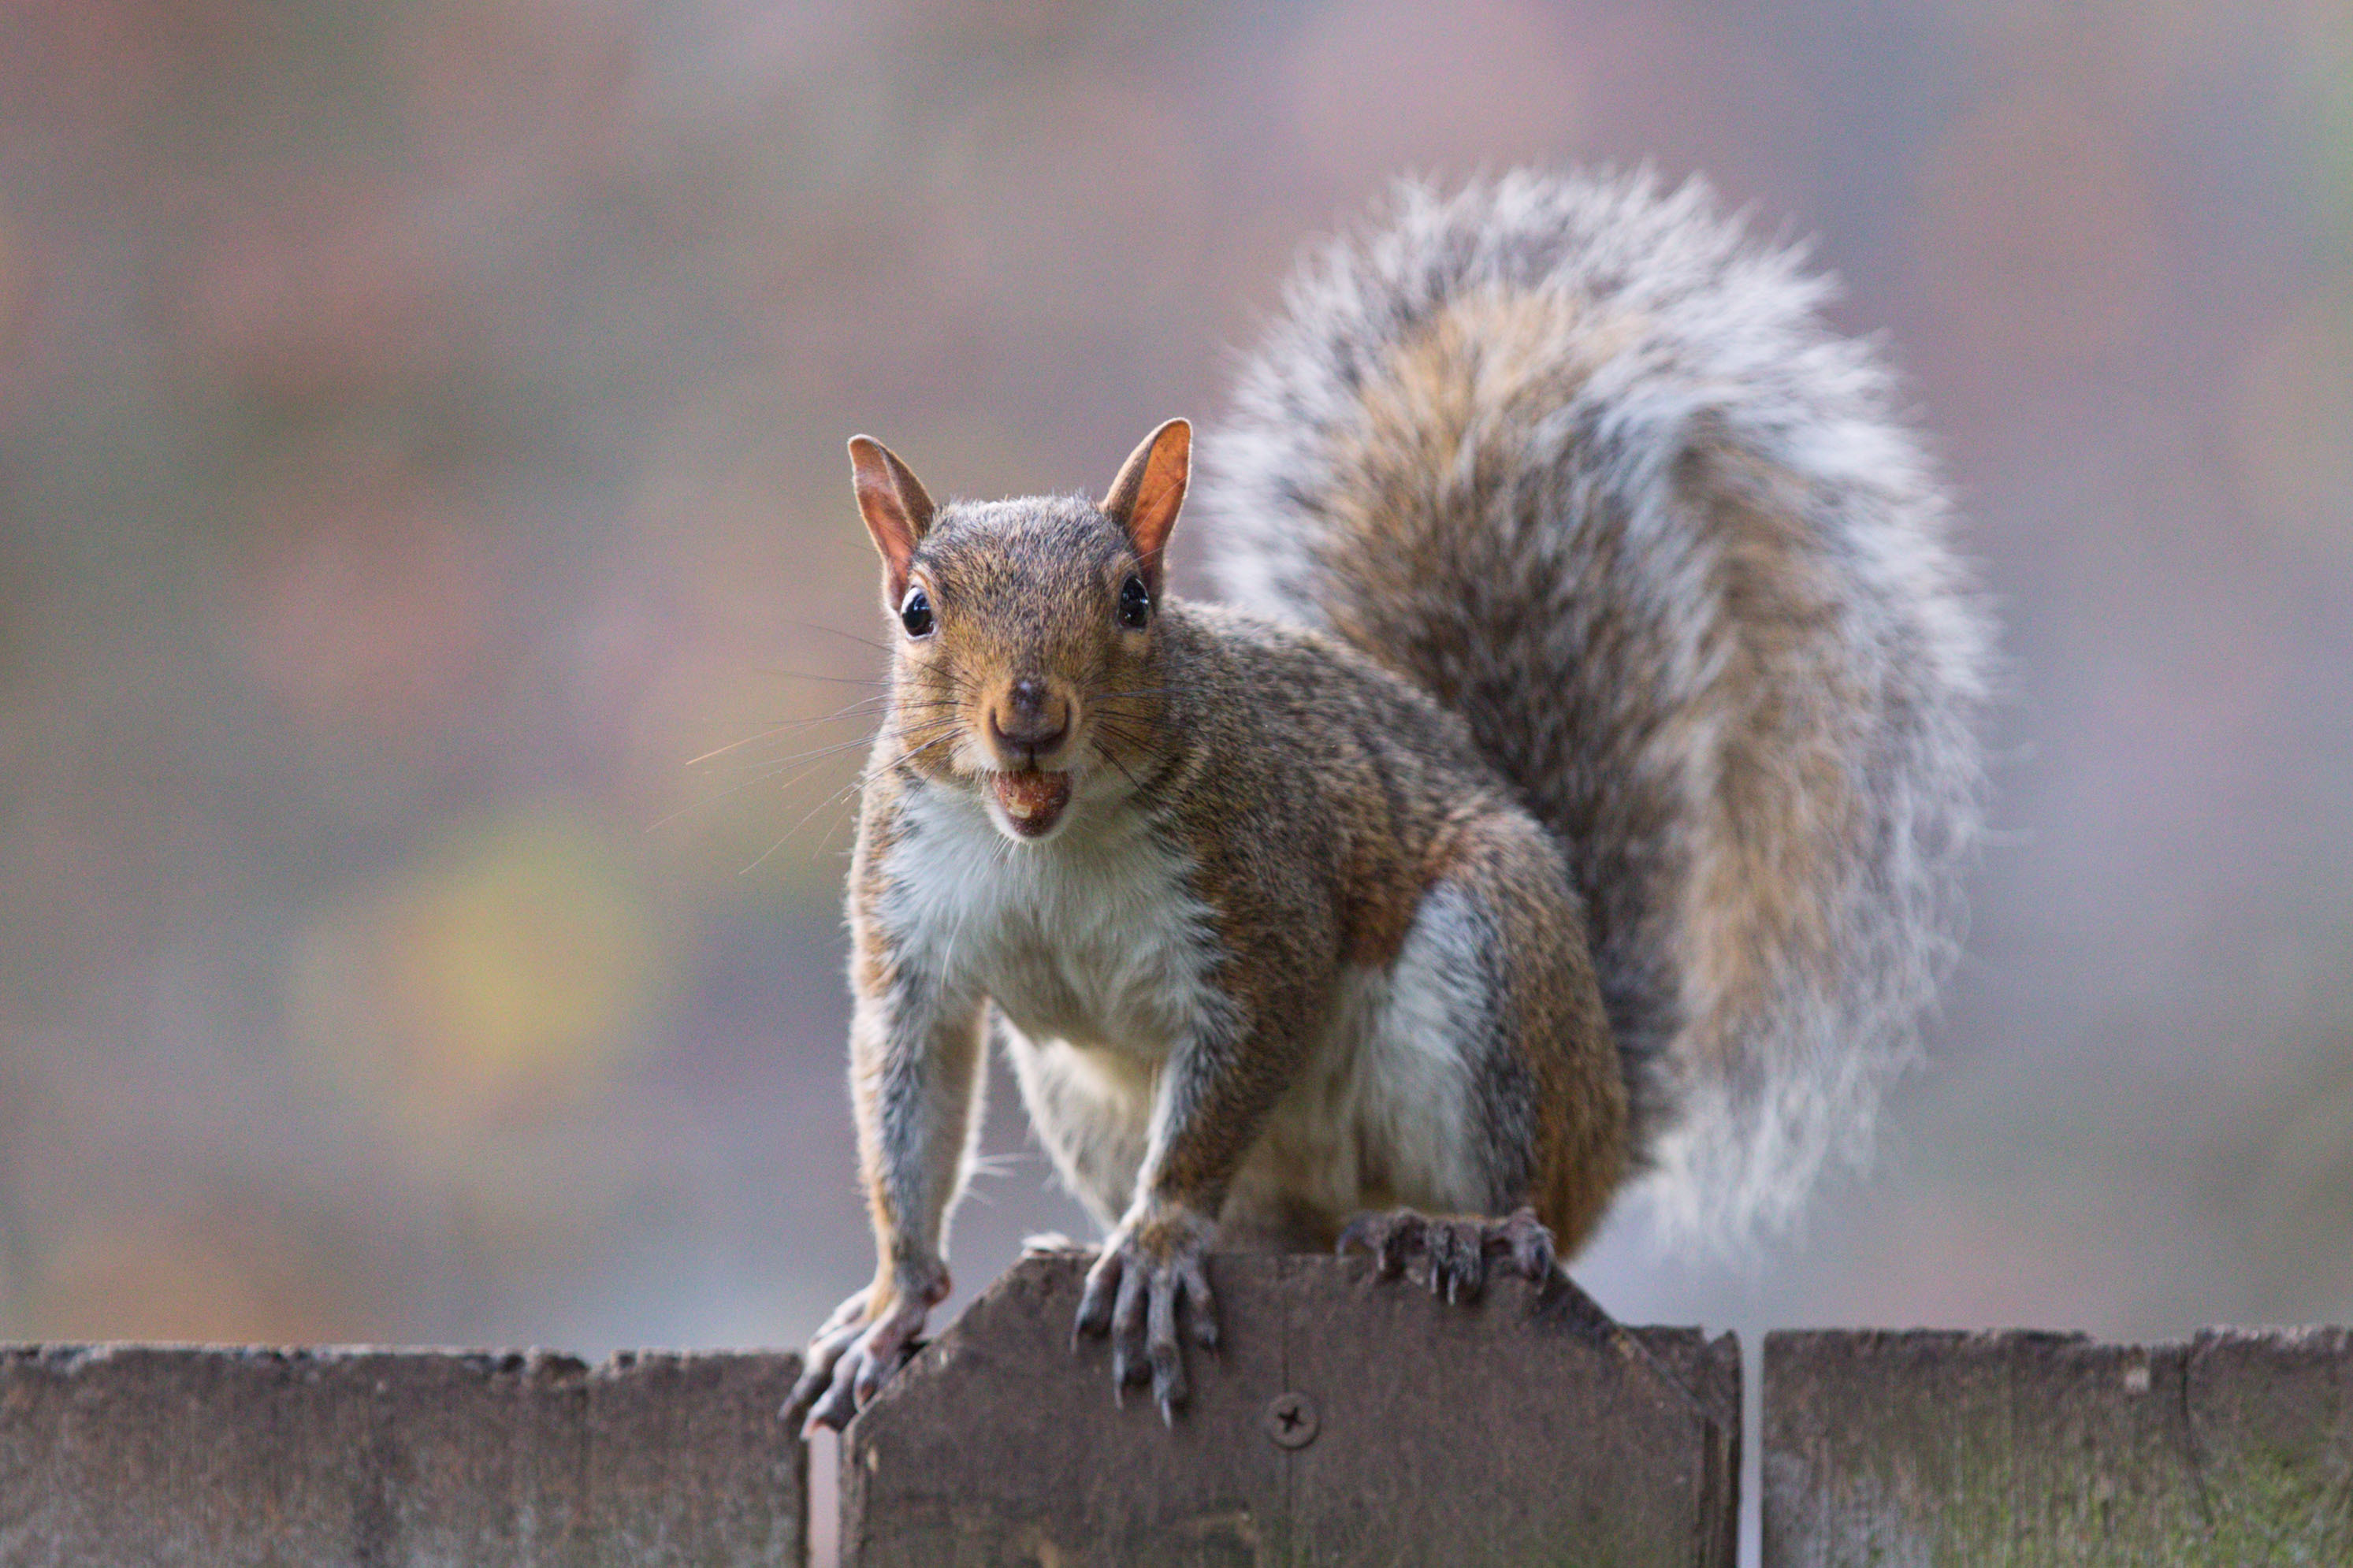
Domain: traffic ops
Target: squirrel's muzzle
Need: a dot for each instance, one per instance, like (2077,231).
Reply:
(1029,721)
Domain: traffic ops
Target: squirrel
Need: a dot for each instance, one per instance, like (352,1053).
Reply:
(1574,789)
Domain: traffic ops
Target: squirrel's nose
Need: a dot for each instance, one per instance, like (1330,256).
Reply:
(1030,719)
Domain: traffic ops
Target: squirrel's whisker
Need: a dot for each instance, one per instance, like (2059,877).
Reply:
(853,786)
(882,681)
(856,710)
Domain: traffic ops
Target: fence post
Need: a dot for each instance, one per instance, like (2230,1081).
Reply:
(132,1457)
(1925,1449)
(1345,1421)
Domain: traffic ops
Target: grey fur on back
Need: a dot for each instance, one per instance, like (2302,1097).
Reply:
(1582,460)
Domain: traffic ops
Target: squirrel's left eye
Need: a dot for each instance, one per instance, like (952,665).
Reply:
(915,613)
(1135,604)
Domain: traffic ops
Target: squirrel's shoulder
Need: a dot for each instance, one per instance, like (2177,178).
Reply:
(1220,643)
(1305,687)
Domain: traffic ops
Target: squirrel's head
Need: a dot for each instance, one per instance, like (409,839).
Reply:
(1025,631)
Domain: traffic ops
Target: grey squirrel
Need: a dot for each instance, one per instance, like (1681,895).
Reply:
(1572,791)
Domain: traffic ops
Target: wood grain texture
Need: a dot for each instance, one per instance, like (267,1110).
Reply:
(1917,1450)
(1521,1430)
(128,1457)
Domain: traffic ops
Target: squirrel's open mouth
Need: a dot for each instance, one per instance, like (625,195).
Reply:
(1033,801)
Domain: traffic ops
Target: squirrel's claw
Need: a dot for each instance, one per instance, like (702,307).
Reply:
(1127,1320)
(850,1358)
(1452,1255)
(1382,1236)
(1150,1280)
(1168,1385)
(837,1333)
(839,1403)
(1527,1242)
(1103,1287)
(1457,1264)
(1202,1315)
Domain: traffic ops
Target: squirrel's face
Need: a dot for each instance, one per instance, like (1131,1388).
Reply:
(1026,632)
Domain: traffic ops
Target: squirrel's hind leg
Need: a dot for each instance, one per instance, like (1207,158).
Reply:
(1497,1106)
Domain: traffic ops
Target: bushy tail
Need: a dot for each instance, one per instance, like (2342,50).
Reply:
(1579,458)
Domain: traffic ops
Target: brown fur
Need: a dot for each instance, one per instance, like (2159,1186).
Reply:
(1578,459)
(1595,770)
(1318,801)
(1781,808)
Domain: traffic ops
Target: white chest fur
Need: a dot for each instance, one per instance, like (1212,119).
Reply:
(1091,937)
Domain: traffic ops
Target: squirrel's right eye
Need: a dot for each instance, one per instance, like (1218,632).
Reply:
(1135,604)
(915,613)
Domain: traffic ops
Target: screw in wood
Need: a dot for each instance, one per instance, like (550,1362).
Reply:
(1291,1421)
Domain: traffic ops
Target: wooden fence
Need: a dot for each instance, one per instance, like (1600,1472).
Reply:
(1345,1422)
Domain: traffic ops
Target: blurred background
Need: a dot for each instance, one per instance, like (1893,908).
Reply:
(420,438)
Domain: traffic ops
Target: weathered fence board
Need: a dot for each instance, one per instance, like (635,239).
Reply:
(1346,1421)
(143,1456)
(1526,1429)
(1917,1450)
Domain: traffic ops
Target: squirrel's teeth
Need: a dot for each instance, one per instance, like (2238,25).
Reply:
(1033,801)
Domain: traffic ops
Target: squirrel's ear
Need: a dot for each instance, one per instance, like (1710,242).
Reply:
(898,512)
(1150,488)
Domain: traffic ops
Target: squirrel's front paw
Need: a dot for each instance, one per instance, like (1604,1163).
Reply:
(1152,1270)
(1450,1254)
(868,1338)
